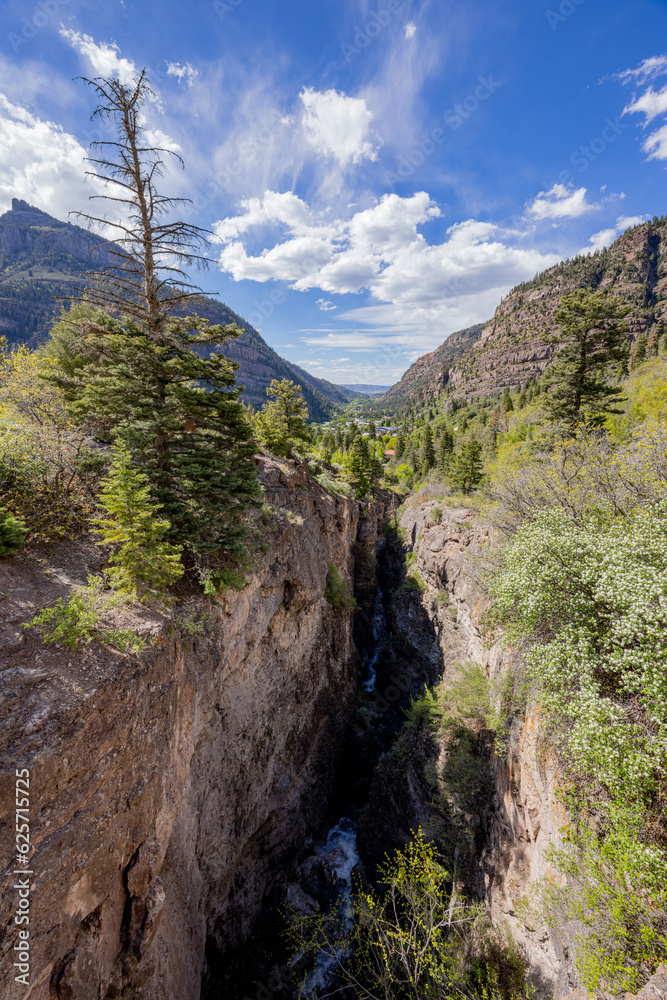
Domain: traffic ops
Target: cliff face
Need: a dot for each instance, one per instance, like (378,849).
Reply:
(167,789)
(511,349)
(515,816)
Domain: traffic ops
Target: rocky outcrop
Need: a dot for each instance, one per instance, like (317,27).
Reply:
(167,789)
(514,815)
(514,346)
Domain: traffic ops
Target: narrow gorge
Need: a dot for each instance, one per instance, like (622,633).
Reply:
(178,789)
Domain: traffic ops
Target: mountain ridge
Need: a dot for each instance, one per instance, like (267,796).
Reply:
(515,345)
(43,259)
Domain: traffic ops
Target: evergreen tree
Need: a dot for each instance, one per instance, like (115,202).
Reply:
(145,376)
(594,340)
(145,562)
(372,430)
(139,392)
(508,405)
(283,421)
(638,355)
(399,450)
(465,470)
(445,449)
(359,468)
(12,533)
(428,451)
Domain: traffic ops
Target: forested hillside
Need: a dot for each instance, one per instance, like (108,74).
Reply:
(42,259)
(517,346)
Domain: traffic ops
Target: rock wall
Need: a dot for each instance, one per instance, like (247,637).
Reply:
(168,788)
(521,817)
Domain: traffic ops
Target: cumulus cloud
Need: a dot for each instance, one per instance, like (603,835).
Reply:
(426,289)
(652,104)
(325,305)
(607,236)
(338,126)
(104,57)
(186,72)
(560,202)
(410,29)
(40,163)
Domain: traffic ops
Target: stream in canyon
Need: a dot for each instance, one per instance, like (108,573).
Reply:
(261,970)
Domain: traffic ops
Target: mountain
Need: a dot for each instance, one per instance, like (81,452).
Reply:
(428,376)
(512,349)
(366,390)
(42,258)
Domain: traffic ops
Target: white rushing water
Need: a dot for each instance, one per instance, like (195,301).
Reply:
(342,840)
(379,629)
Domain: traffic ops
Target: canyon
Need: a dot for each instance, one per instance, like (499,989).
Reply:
(176,794)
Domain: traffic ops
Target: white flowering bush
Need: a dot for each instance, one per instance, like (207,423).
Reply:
(586,597)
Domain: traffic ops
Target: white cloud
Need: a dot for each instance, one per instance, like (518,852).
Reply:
(560,202)
(104,57)
(423,290)
(651,104)
(338,126)
(186,72)
(40,163)
(410,29)
(649,69)
(325,305)
(607,236)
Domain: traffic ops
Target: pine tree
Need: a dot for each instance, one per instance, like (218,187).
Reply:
(638,355)
(401,442)
(359,468)
(445,449)
(12,533)
(145,562)
(145,376)
(282,422)
(465,470)
(428,451)
(594,340)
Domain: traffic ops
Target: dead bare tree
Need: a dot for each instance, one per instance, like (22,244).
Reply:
(145,276)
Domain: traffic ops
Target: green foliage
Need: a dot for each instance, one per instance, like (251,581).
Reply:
(428,450)
(414,583)
(146,563)
(589,593)
(227,578)
(78,620)
(436,514)
(465,469)
(337,592)
(594,339)
(282,422)
(176,411)
(12,534)
(414,939)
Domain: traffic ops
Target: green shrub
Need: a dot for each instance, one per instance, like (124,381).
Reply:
(588,592)
(436,514)
(442,597)
(413,938)
(78,620)
(12,534)
(215,581)
(337,591)
(414,584)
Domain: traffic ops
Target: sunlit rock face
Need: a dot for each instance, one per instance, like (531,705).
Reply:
(170,788)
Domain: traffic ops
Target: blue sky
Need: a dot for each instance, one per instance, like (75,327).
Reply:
(377,175)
